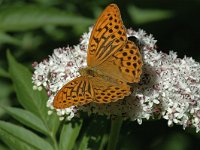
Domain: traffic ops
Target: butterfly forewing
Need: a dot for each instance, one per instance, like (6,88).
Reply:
(109,48)
(107,37)
(76,92)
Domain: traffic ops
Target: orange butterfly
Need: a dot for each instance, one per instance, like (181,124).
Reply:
(113,61)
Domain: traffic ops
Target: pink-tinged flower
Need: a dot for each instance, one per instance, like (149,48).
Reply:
(169,86)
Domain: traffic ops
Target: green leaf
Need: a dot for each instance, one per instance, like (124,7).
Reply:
(26,17)
(114,133)
(103,142)
(34,101)
(14,143)
(176,141)
(27,118)
(93,137)
(69,134)
(4,73)
(18,136)
(5,90)
(3,147)
(7,39)
(142,16)
(84,142)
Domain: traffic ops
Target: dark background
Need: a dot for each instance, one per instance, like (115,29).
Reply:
(31,29)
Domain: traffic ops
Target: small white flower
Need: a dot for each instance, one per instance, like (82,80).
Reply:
(139,121)
(169,86)
(50,112)
(61,118)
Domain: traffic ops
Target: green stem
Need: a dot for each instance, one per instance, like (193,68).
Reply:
(114,133)
(54,142)
(51,135)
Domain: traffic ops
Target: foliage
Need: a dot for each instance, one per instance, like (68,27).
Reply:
(30,30)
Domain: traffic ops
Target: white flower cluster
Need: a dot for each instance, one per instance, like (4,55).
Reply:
(58,69)
(169,86)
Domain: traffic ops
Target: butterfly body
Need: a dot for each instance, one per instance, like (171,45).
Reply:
(90,73)
(112,62)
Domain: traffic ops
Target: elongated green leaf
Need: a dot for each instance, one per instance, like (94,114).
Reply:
(27,118)
(16,133)
(7,39)
(94,136)
(5,90)
(26,17)
(14,143)
(69,134)
(141,16)
(84,143)
(4,73)
(3,147)
(53,124)
(34,101)
(103,142)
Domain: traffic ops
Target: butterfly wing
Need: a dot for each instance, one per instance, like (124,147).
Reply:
(109,48)
(108,36)
(83,90)
(106,91)
(111,54)
(76,92)
(124,65)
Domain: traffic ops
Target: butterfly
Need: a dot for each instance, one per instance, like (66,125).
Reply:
(113,62)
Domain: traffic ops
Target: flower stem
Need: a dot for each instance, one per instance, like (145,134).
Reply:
(114,133)
(54,142)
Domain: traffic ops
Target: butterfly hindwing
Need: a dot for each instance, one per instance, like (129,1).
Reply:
(106,91)
(124,65)
(108,36)
(129,61)
(76,92)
